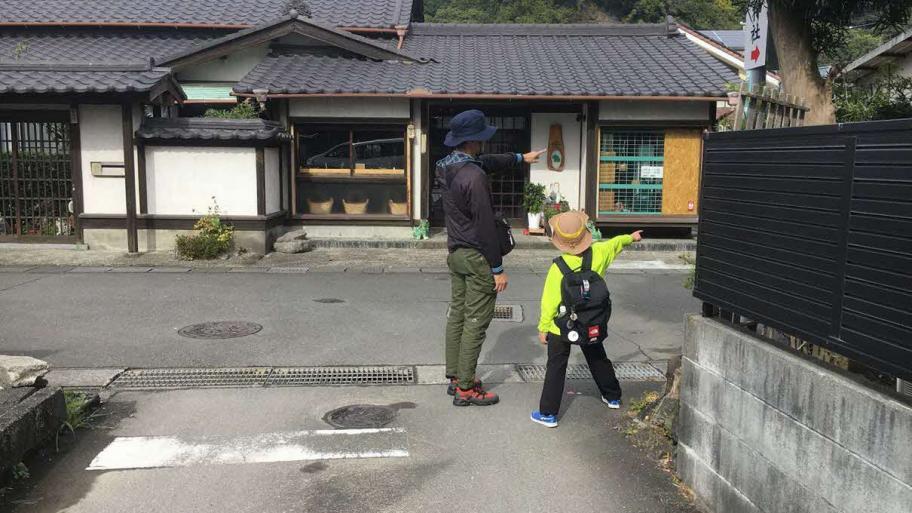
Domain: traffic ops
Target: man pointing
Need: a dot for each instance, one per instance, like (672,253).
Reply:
(475,259)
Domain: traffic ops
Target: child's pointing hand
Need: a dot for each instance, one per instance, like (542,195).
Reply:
(637,235)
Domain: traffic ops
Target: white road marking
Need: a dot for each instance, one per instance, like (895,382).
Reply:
(327,444)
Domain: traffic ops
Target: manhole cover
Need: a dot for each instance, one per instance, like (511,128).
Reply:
(328,300)
(220,330)
(360,416)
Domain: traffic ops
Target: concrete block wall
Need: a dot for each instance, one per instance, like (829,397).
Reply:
(763,430)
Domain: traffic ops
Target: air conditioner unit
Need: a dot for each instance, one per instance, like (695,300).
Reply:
(904,387)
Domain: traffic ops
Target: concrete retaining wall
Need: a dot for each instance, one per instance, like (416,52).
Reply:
(763,430)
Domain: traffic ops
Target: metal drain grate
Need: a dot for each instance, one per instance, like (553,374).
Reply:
(302,376)
(625,371)
(509,313)
(505,313)
(192,378)
(904,387)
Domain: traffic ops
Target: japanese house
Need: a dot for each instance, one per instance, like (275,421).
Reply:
(103,137)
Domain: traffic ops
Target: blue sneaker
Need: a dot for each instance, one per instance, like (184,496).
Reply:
(614,405)
(545,420)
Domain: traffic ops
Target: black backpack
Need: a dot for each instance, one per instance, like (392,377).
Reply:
(585,303)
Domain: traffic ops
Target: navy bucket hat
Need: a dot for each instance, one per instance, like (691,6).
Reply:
(470,125)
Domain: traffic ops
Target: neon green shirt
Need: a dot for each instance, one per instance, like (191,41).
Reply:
(603,253)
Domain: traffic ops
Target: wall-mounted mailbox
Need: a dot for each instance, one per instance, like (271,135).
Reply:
(108,169)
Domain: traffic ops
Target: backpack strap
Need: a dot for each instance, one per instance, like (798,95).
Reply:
(562,265)
(587,260)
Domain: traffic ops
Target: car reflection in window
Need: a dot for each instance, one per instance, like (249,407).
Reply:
(376,154)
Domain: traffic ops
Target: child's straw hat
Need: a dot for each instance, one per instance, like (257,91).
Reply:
(569,232)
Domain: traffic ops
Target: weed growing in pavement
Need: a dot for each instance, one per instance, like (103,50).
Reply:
(78,414)
(19,472)
(638,405)
(692,275)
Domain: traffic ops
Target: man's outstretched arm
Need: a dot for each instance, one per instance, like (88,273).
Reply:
(503,161)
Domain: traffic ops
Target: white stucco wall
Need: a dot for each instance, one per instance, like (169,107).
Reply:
(350,107)
(644,110)
(101,140)
(183,180)
(417,159)
(273,201)
(230,68)
(568,180)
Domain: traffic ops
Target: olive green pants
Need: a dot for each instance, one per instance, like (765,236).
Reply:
(471,311)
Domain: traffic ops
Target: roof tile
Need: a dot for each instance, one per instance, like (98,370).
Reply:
(340,13)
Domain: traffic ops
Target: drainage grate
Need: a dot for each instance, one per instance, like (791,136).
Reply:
(192,378)
(505,313)
(904,387)
(625,371)
(301,376)
(220,330)
(509,313)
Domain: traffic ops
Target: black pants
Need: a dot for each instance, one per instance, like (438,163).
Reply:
(555,375)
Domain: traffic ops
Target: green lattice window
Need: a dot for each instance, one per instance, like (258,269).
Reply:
(631,167)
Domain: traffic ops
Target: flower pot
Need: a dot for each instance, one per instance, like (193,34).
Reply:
(320,207)
(355,207)
(733,98)
(398,209)
(535,219)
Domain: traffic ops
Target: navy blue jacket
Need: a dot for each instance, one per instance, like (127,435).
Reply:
(467,202)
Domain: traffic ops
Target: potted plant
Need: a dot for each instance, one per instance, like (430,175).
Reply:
(534,199)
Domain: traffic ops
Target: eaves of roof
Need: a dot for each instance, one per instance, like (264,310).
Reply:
(291,23)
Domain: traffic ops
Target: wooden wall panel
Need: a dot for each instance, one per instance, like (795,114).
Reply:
(681,180)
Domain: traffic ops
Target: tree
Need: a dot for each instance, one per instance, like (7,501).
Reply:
(501,11)
(888,97)
(699,14)
(802,30)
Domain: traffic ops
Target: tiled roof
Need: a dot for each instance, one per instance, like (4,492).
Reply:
(40,81)
(548,60)
(211,129)
(340,13)
(733,39)
(105,46)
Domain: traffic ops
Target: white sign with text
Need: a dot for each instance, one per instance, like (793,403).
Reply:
(755,32)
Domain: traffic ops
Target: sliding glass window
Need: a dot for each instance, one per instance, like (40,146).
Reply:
(352,171)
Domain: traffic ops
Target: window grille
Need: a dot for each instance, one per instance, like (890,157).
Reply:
(631,168)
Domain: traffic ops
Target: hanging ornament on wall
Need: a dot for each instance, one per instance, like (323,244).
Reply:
(556,155)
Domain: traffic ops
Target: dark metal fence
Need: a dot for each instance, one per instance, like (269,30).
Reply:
(809,230)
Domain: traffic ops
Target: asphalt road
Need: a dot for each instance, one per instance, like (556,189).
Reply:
(451,459)
(132,320)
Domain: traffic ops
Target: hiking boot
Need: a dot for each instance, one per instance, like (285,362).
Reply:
(475,396)
(454,382)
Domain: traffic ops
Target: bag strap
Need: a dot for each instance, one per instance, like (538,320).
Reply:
(562,265)
(587,260)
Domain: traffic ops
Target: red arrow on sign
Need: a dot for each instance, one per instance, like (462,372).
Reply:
(755,53)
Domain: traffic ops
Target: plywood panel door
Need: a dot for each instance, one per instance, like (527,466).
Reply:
(681,183)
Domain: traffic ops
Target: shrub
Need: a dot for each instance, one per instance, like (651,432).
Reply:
(243,110)
(211,240)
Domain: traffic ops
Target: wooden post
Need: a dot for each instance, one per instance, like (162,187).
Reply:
(129,178)
(76,169)
(261,180)
(141,178)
